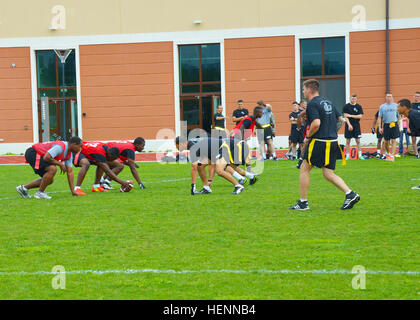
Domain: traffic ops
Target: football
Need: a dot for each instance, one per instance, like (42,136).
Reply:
(128,189)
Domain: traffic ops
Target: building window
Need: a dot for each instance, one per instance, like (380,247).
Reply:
(62,95)
(200,84)
(324,59)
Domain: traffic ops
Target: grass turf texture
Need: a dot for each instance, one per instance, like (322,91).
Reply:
(163,227)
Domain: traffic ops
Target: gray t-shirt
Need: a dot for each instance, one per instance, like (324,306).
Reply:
(266,117)
(56,150)
(388,112)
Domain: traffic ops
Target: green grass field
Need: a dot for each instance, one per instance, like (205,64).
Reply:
(164,228)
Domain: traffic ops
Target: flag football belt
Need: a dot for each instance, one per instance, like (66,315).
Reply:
(76,158)
(37,160)
(239,145)
(265,126)
(327,151)
(392,125)
(219,128)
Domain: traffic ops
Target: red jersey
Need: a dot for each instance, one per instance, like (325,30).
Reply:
(42,149)
(247,132)
(124,147)
(91,148)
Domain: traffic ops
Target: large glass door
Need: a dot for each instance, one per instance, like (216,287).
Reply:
(57,81)
(200,81)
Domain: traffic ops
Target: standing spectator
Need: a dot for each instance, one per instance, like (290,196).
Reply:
(403,130)
(240,113)
(219,123)
(416,104)
(388,125)
(405,108)
(265,123)
(379,136)
(296,134)
(352,113)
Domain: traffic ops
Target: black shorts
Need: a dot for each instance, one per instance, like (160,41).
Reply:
(414,131)
(296,135)
(77,157)
(235,152)
(378,134)
(319,156)
(40,166)
(391,133)
(356,133)
(268,134)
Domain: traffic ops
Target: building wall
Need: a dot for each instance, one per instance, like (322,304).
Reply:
(261,68)
(127,90)
(25,18)
(368,68)
(15,95)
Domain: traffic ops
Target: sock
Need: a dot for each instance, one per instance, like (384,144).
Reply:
(249,175)
(96,186)
(302,200)
(237,176)
(24,189)
(238,185)
(102,180)
(348,154)
(107,181)
(378,151)
(76,187)
(360,154)
(347,193)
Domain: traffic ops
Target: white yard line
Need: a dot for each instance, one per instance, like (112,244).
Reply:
(227,271)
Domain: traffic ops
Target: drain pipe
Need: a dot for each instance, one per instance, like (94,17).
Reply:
(387,47)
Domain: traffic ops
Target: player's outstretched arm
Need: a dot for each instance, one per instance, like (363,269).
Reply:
(70,178)
(132,165)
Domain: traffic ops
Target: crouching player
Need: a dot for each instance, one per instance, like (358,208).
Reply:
(127,157)
(213,151)
(44,159)
(99,154)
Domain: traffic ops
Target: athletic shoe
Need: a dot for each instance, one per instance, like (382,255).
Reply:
(300,205)
(274,159)
(22,192)
(238,190)
(299,163)
(398,155)
(417,156)
(347,156)
(253,180)
(80,192)
(362,157)
(41,195)
(107,186)
(351,199)
(416,187)
(204,191)
(243,181)
(379,156)
(99,189)
(383,157)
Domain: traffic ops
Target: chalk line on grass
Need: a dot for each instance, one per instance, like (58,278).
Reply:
(226,271)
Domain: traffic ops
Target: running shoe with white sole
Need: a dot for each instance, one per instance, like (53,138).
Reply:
(238,190)
(300,205)
(351,199)
(416,187)
(253,180)
(41,195)
(24,193)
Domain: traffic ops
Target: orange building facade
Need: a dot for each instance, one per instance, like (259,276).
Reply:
(126,87)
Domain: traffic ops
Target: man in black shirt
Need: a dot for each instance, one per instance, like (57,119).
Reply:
(416,103)
(240,113)
(323,146)
(296,134)
(219,124)
(405,108)
(352,113)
